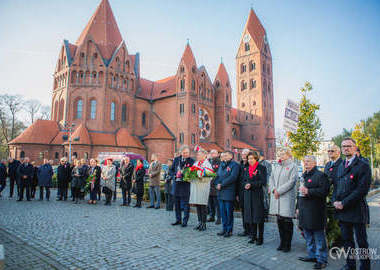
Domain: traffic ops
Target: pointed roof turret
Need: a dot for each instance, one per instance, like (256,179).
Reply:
(103,29)
(222,75)
(188,56)
(255,29)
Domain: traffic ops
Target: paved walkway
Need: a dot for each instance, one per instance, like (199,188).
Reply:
(61,235)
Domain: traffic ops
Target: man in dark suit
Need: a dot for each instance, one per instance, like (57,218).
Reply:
(180,187)
(12,172)
(312,212)
(226,185)
(331,167)
(25,171)
(349,198)
(63,179)
(240,189)
(213,203)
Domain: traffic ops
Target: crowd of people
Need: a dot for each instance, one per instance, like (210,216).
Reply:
(259,187)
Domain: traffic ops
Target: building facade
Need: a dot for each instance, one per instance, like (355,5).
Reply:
(98,90)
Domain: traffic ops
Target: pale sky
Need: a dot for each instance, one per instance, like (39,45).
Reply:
(333,44)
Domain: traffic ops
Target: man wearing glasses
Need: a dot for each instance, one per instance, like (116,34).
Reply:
(331,167)
(349,199)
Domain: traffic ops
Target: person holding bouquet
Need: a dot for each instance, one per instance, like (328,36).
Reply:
(181,188)
(254,179)
(108,180)
(94,173)
(200,176)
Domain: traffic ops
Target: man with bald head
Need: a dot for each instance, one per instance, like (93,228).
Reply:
(331,167)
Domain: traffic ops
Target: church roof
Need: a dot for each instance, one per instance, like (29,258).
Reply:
(103,29)
(124,138)
(40,132)
(160,132)
(81,132)
(222,75)
(99,138)
(157,89)
(242,145)
(255,29)
(208,146)
(188,57)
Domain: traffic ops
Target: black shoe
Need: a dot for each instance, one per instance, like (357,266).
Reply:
(227,234)
(58,199)
(176,223)
(307,259)
(259,242)
(151,206)
(197,227)
(184,225)
(211,219)
(19,200)
(218,221)
(319,265)
(40,199)
(221,233)
(157,207)
(286,249)
(123,204)
(280,247)
(28,200)
(243,234)
(203,227)
(252,241)
(346,267)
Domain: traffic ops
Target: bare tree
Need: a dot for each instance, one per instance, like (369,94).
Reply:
(32,107)
(13,103)
(45,113)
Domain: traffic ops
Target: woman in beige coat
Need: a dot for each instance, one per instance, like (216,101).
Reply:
(282,188)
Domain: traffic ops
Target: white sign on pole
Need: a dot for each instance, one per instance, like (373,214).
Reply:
(292,112)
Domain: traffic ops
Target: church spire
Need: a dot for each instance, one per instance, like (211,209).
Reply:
(255,29)
(103,29)
(222,74)
(188,56)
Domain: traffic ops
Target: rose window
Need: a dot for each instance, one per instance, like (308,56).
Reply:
(204,123)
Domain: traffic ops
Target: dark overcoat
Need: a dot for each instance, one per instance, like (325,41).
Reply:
(228,174)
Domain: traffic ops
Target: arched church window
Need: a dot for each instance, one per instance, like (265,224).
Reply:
(93,109)
(79,109)
(113,107)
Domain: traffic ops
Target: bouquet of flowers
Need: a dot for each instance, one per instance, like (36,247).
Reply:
(90,182)
(197,171)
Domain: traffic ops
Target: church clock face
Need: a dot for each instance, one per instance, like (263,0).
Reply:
(204,123)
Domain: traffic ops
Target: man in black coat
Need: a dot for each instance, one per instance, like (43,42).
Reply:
(12,172)
(349,199)
(63,179)
(180,187)
(213,203)
(331,167)
(228,174)
(126,173)
(3,175)
(240,190)
(312,212)
(25,171)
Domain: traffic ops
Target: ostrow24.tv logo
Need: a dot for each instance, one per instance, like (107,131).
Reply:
(337,253)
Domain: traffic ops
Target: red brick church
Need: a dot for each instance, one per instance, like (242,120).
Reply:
(98,88)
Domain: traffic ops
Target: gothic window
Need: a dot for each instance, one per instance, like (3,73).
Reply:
(93,109)
(182,69)
(143,119)
(182,84)
(56,156)
(246,46)
(228,142)
(193,108)
(243,68)
(227,99)
(193,85)
(181,137)
(113,108)
(79,109)
(243,85)
(192,138)
(234,132)
(217,84)
(227,118)
(252,66)
(124,113)
(181,108)
(253,84)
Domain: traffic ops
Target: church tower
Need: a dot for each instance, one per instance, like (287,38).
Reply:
(254,81)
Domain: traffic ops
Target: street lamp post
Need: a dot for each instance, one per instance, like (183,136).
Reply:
(68,128)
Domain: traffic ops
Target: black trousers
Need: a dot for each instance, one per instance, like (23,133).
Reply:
(25,185)
(62,192)
(348,229)
(253,228)
(76,193)
(285,229)
(33,189)
(213,206)
(99,194)
(12,182)
(202,213)
(47,191)
(169,201)
(108,193)
(241,205)
(126,199)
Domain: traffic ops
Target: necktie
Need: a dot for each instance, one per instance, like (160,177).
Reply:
(347,162)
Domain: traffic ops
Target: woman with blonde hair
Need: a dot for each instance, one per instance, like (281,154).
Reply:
(282,188)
